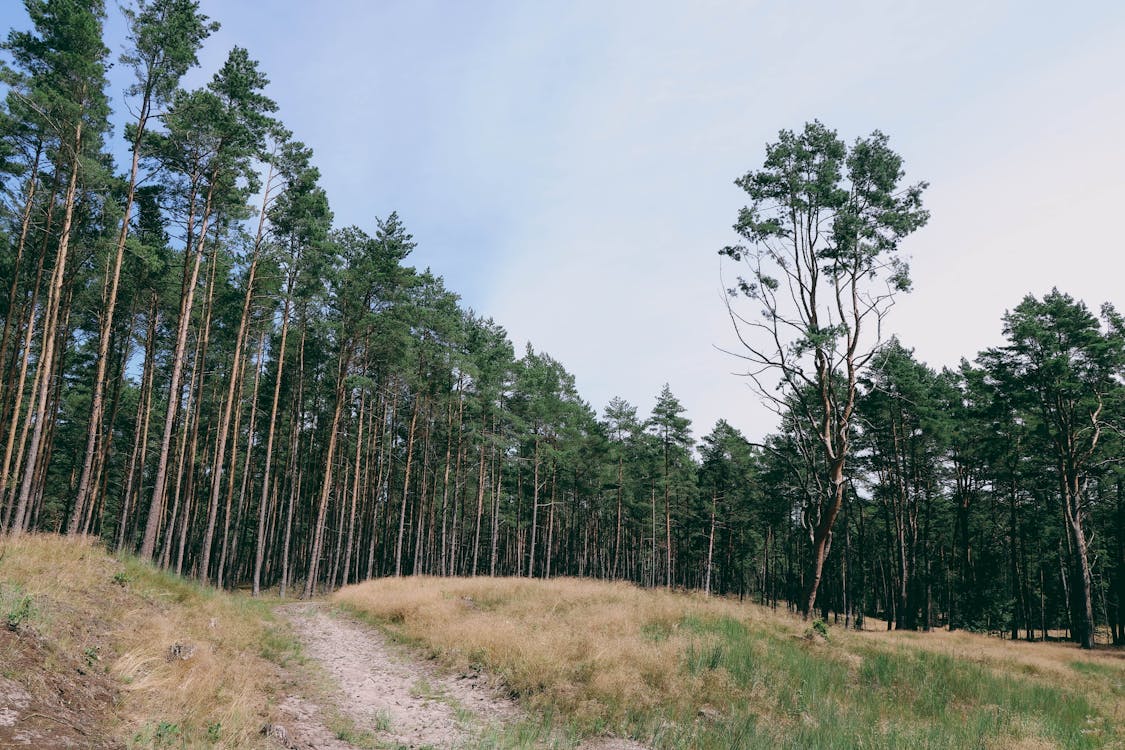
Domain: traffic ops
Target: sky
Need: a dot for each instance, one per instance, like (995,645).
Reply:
(568,167)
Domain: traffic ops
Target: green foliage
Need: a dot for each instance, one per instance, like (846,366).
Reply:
(18,612)
(215,731)
(894,699)
(165,734)
(817,629)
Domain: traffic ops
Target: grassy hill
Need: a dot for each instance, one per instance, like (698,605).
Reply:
(683,671)
(98,651)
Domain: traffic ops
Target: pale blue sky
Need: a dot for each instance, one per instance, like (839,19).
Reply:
(568,166)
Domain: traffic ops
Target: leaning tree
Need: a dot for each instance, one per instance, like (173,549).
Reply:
(821,266)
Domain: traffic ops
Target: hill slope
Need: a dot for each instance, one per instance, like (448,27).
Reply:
(104,652)
(101,652)
(682,671)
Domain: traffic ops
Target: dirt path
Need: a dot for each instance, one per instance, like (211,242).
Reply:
(379,690)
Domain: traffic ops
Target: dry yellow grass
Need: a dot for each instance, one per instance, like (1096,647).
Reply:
(598,651)
(681,670)
(188,661)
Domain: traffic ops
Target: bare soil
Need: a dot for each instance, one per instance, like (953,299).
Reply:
(50,698)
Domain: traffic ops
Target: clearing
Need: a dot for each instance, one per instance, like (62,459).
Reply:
(106,652)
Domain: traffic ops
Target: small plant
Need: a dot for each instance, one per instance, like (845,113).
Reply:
(215,731)
(162,735)
(120,578)
(818,629)
(382,721)
(346,731)
(19,613)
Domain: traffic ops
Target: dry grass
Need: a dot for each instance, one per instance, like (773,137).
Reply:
(189,662)
(682,671)
(597,651)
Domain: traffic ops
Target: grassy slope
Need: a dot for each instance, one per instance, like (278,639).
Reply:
(682,671)
(90,662)
(95,657)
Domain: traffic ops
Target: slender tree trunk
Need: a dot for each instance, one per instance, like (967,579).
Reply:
(1083,616)
(419,530)
(294,443)
(550,526)
(376,449)
(46,362)
(499,471)
(260,546)
(135,477)
(326,486)
(21,244)
(156,505)
(617,533)
(101,468)
(534,511)
(355,490)
(667,522)
(480,511)
(710,547)
(14,422)
(106,328)
(406,487)
(234,456)
(822,538)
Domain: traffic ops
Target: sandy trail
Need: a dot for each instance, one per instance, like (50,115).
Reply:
(383,690)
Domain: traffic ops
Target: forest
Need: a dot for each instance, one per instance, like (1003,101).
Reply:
(198,366)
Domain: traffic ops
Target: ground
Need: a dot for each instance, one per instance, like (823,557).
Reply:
(383,690)
(98,651)
(375,692)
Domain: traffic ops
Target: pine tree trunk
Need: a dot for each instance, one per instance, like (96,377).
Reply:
(498,468)
(14,421)
(480,515)
(1083,617)
(294,444)
(135,477)
(260,546)
(21,244)
(534,511)
(326,486)
(667,522)
(94,427)
(617,534)
(46,362)
(187,297)
(355,491)
(710,547)
(235,378)
(234,457)
(406,487)
(822,538)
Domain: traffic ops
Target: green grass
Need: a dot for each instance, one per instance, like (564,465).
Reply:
(888,698)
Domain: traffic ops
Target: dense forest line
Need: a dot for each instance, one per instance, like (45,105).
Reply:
(197,366)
